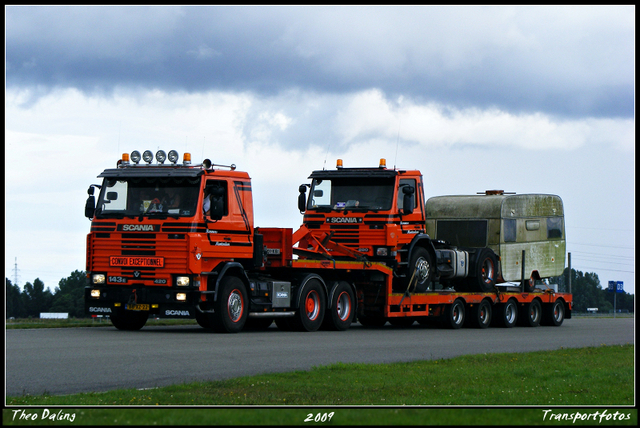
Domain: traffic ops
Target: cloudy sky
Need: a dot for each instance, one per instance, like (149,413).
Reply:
(525,99)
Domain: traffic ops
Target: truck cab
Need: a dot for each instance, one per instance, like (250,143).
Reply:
(377,212)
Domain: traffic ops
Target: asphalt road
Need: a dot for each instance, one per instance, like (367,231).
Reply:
(71,360)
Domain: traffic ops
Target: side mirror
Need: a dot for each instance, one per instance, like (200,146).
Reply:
(408,200)
(302,198)
(90,207)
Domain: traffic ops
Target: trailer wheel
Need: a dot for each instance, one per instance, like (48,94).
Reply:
(480,315)
(531,314)
(340,312)
(129,320)
(507,314)
(453,316)
(231,308)
(422,264)
(486,271)
(310,314)
(553,314)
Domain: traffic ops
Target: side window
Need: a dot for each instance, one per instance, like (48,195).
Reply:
(215,204)
(554,227)
(510,230)
(407,182)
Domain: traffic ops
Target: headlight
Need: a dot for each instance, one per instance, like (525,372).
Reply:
(95,294)
(135,156)
(382,252)
(173,156)
(147,156)
(182,281)
(98,278)
(161,156)
(181,297)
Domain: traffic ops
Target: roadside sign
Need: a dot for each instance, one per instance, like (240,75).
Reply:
(616,287)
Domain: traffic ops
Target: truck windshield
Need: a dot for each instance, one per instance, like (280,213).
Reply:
(351,194)
(135,197)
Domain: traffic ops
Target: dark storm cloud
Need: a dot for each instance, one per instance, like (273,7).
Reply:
(565,61)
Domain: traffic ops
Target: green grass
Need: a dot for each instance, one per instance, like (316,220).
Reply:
(25,323)
(596,377)
(584,376)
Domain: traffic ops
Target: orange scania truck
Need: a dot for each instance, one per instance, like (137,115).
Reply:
(178,240)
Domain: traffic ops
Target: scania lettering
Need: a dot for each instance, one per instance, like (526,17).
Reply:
(178,240)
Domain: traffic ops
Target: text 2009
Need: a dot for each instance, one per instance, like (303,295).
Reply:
(320,417)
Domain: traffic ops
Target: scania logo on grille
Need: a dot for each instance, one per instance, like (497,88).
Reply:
(136,274)
(138,227)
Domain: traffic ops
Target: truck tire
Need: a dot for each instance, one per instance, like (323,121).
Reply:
(231,307)
(531,314)
(341,308)
(312,308)
(506,314)
(485,272)
(480,315)
(129,320)
(453,316)
(553,313)
(422,263)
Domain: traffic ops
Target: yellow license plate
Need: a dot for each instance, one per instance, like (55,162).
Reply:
(141,307)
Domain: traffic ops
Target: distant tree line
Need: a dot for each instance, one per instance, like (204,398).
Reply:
(36,298)
(589,293)
(68,296)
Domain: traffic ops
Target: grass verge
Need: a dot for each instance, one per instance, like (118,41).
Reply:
(594,376)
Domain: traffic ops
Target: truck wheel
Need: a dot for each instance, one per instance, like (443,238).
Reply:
(480,315)
(310,314)
(531,314)
(486,271)
(553,314)
(230,310)
(129,320)
(507,314)
(371,321)
(422,264)
(453,316)
(341,311)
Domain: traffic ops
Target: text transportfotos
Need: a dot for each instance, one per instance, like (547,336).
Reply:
(597,416)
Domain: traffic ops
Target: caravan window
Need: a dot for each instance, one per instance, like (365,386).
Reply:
(554,227)
(510,230)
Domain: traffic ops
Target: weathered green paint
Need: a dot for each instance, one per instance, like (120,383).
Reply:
(533,215)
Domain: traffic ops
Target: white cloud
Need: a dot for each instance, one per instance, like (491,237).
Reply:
(369,114)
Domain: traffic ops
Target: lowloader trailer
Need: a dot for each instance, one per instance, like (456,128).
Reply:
(178,240)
